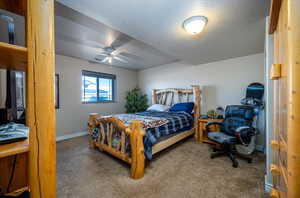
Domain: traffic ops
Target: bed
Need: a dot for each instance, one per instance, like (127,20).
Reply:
(134,138)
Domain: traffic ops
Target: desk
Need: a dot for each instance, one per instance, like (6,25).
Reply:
(203,132)
(13,166)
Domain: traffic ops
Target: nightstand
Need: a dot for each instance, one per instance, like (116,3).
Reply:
(203,132)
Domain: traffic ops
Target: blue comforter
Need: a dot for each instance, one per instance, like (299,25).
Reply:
(178,122)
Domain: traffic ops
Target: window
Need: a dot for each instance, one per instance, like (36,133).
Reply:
(98,87)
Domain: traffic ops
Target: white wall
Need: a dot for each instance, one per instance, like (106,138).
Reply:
(223,82)
(72,115)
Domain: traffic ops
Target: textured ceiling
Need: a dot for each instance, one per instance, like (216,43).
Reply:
(235,27)
(80,36)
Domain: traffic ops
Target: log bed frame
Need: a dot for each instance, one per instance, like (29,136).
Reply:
(136,132)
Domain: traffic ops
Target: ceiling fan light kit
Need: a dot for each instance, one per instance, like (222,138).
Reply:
(195,24)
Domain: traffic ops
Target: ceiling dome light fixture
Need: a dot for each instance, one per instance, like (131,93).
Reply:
(195,24)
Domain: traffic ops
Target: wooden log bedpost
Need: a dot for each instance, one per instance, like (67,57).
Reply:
(137,149)
(40,111)
(91,125)
(197,110)
(154,96)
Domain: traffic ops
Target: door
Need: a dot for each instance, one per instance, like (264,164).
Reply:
(285,72)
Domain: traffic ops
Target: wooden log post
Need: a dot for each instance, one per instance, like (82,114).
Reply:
(154,96)
(91,126)
(197,110)
(294,99)
(40,108)
(137,149)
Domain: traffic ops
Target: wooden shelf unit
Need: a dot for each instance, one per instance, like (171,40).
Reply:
(14,148)
(16,6)
(13,57)
(13,173)
(35,158)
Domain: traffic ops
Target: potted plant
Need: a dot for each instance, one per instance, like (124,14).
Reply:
(136,101)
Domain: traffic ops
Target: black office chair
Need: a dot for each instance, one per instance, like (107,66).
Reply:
(235,129)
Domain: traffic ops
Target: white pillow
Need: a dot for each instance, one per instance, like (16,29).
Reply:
(158,107)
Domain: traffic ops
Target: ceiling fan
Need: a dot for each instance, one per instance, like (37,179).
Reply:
(111,53)
(108,55)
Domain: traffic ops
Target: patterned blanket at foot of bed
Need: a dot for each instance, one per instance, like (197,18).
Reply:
(147,121)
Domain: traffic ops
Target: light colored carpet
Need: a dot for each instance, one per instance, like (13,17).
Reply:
(184,170)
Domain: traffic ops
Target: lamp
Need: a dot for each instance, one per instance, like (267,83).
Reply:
(195,24)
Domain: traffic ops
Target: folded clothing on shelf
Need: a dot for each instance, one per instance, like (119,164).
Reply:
(13,132)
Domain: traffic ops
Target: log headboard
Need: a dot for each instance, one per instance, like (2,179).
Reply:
(171,96)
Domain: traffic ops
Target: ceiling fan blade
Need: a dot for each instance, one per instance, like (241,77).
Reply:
(102,60)
(121,40)
(103,54)
(120,59)
(105,60)
(131,56)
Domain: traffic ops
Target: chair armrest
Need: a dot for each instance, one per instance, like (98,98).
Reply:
(244,134)
(208,124)
(243,128)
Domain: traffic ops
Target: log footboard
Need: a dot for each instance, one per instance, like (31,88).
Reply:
(108,127)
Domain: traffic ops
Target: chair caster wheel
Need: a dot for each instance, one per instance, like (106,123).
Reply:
(212,157)
(249,161)
(235,165)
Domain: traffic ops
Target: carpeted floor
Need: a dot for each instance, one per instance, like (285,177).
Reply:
(184,170)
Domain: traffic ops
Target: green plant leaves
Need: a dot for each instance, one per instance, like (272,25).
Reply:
(136,101)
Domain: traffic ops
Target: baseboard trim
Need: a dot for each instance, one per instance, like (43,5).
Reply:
(69,136)
(268,187)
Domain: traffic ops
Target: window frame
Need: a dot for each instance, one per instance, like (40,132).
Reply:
(99,75)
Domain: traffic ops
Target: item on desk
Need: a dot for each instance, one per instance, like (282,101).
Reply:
(254,95)
(13,132)
(220,112)
(212,114)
